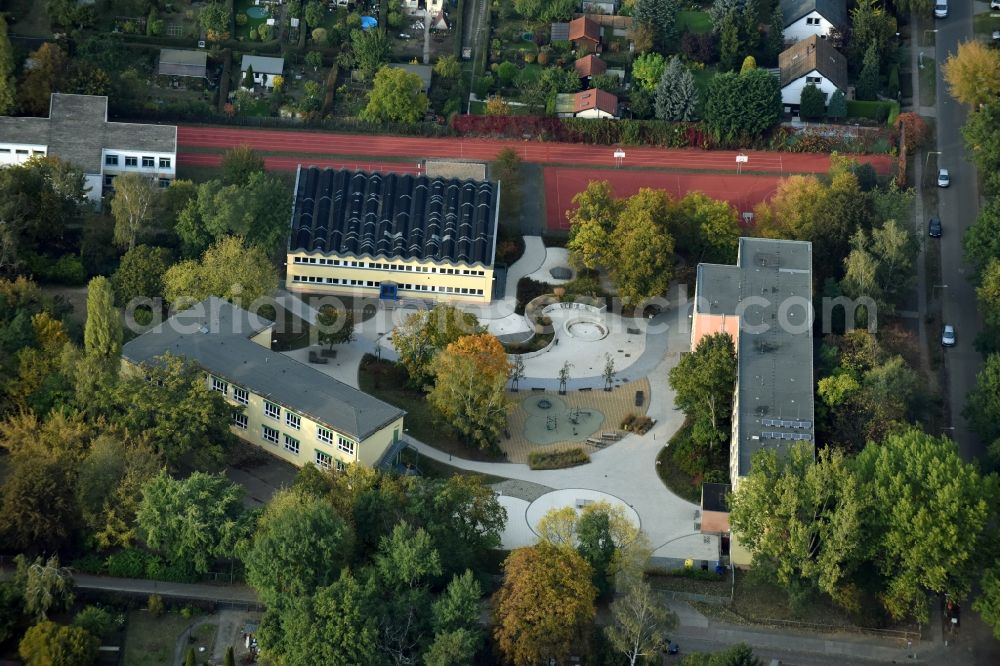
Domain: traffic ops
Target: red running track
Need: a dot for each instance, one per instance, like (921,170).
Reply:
(326,143)
(562,184)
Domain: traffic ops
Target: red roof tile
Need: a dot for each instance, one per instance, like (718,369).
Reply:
(584,28)
(595,99)
(590,65)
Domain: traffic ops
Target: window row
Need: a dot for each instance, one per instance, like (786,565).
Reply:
(292,420)
(326,461)
(133,161)
(312,279)
(23,151)
(386,266)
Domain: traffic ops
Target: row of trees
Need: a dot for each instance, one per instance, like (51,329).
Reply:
(904,518)
(635,238)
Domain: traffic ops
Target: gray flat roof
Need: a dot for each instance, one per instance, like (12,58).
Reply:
(772,284)
(215,334)
(77,130)
(720,285)
(775,366)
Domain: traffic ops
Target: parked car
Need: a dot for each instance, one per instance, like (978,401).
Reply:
(941,8)
(944,178)
(404,35)
(994,4)
(948,336)
(934,228)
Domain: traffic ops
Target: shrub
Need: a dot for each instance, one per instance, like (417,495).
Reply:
(529,57)
(527,291)
(696,574)
(812,103)
(155,605)
(95,621)
(557,459)
(878,110)
(915,128)
(130,563)
(91,564)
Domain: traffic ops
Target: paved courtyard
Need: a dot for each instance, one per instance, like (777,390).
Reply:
(625,470)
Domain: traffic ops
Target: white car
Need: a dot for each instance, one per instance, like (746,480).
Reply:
(948,336)
(994,4)
(944,178)
(941,8)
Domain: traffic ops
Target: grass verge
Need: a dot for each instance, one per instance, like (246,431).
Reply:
(928,82)
(674,478)
(557,459)
(435,469)
(984,24)
(150,641)
(389,381)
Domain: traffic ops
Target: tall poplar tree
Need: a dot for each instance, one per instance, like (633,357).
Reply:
(102,335)
(7,90)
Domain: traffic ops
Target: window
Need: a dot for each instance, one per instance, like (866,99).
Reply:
(240,420)
(324,460)
(220,386)
(270,434)
(292,444)
(131,160)
(164,183)
(241,395)
(324,435)
(164,162)
(108,181)
(292,420)
(148,162)
(814,79)
(271,410)
(345,445)
(111,160)
(341,466)
(812,20)
(19,151)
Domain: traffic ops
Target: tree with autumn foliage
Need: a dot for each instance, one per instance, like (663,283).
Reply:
(545,606)
(914,128)
(470,376)
(973,74)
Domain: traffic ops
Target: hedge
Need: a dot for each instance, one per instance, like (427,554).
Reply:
(880,111)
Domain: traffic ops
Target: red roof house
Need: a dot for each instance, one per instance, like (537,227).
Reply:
(584,30)
(595,104)
(590,65)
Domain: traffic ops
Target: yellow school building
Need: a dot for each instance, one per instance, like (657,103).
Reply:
(392,236)
(289,409)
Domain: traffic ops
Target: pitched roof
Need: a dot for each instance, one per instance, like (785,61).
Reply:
(423,71)
(601,100)
(77,130)
(360,214)
(590,65)
(263,64)
(215,334)
(175,62)
(813,53)
(584,28)
(834,11)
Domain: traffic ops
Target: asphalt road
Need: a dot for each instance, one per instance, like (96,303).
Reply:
(958,206)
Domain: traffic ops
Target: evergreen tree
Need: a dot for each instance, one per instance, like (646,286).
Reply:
(230,658)
(7,90)
(661,17)
(676,94)
(248,77)
(775,42)
(867,86)
(813,103)
(729,45)
(102,334)
(838,106)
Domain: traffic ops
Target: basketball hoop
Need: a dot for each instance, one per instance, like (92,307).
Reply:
(619,157)
(741,159)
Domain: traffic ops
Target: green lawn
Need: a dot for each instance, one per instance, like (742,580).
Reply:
(928,82)
(150,641)
(433,469)
(984,24)
(675,479)
(694,22)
